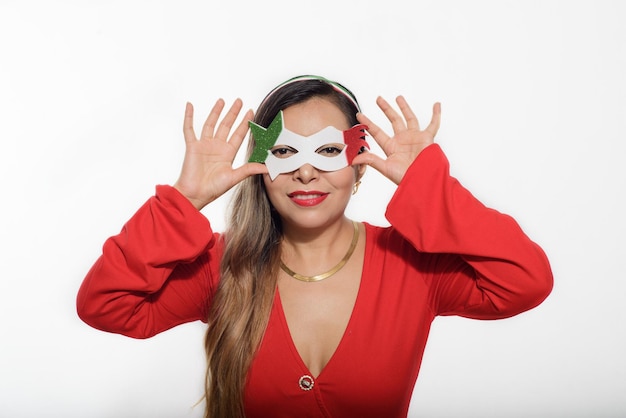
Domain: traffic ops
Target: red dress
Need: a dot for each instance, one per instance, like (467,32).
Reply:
(445,254)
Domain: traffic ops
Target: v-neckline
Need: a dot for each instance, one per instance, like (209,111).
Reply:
(357,302)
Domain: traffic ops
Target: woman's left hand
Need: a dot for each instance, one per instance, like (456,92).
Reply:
(404,146)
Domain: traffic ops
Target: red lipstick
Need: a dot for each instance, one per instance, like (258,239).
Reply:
(307,198)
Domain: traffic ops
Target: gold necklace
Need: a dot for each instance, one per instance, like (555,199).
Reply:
(318,277)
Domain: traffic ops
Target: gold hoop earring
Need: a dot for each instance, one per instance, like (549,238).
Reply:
(356,187)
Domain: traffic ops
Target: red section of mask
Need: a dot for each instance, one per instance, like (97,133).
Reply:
(355,140)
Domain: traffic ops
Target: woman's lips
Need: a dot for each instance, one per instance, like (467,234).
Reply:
(310,198)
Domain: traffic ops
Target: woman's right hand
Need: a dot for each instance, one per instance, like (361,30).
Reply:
(208,171)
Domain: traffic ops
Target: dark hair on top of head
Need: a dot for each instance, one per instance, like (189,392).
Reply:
(302,88)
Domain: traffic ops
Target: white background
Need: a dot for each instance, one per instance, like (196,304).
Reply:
(92,96)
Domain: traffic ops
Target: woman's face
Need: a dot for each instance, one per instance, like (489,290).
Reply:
(308,197)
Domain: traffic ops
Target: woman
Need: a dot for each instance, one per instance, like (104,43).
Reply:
(310,313)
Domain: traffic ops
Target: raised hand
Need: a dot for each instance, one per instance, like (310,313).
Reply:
(407,142)
(208,171)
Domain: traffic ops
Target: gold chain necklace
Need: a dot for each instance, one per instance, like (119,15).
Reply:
(344,260)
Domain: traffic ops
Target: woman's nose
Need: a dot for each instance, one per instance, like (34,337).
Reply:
(306,173)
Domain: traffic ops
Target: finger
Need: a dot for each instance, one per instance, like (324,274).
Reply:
(397,123)
(375,131)
(370,159)
(407,112)
(209,124)
(435,121)
(240,133)
(188,132)
(247,170)
(229,119)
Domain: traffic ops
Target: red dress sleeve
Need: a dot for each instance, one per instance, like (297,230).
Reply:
(497,271)
(160,271)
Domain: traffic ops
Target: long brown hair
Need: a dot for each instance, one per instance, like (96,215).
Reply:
(241,307)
